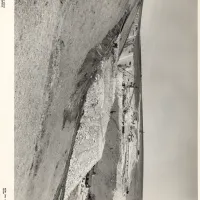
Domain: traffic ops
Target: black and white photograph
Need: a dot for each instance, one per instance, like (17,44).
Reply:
(103,100)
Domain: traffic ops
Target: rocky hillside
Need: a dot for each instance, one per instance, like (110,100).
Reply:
(78,103)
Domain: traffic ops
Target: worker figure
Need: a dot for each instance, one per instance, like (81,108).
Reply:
(130,138)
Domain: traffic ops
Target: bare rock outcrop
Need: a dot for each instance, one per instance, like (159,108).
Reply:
(66,75)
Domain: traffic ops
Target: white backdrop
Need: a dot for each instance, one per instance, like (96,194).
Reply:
(169,54)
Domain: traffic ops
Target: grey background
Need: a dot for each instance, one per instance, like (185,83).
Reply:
(169,50)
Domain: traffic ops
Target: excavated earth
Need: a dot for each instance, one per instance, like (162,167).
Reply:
(78,103)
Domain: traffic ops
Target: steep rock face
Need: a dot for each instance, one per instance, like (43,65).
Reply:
(52,41)
(90,138)
(119,172)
